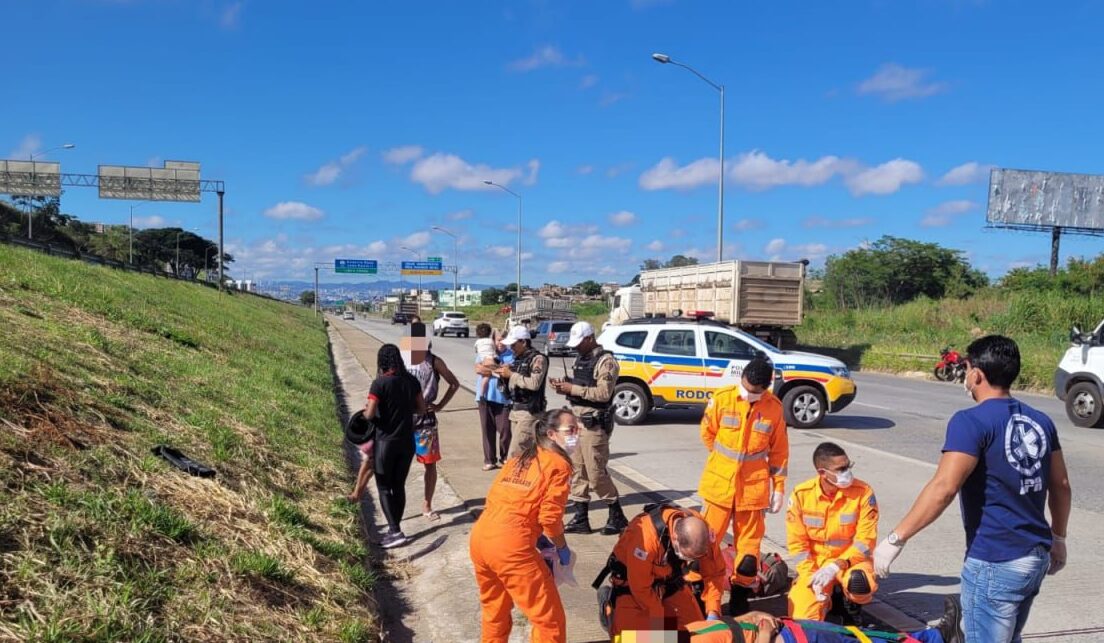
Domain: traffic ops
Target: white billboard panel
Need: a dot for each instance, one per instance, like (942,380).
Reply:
(1025,198)
(169,183)
(30,178)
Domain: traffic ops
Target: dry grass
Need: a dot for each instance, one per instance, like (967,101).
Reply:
(100,540)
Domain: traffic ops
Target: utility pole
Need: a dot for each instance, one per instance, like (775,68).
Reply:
(316,290)
(222,252)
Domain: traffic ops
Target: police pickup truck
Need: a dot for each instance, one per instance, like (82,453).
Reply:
(678,362)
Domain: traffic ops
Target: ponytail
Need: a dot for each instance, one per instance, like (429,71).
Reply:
(550,419)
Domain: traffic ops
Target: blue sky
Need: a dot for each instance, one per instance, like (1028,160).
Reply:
(349,129)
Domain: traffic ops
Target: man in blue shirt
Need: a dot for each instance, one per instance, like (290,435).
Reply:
(1004,458)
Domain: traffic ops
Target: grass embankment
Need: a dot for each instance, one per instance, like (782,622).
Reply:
(100,540)
(878,338)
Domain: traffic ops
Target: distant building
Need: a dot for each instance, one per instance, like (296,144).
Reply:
(464,297)
(245,284)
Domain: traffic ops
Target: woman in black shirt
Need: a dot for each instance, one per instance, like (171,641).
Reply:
(394,399)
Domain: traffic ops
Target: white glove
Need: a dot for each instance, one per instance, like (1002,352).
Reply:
(776,500)
(565,574)
(884,555)
(822,579)
(1057,555)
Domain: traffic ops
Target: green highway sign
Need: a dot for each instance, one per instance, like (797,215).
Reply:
(361,266)
(437,259)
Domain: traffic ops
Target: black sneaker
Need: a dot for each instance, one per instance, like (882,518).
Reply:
(393,539)
(950,626)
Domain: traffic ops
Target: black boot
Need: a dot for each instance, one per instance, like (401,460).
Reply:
(950,625)
(580,524)
(738,601)
(616,522)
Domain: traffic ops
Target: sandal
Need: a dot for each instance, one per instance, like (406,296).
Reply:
(432,516)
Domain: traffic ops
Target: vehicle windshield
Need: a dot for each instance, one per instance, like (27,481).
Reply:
(564,327)
(455,315)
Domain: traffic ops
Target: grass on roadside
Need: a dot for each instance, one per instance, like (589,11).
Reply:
(100,540)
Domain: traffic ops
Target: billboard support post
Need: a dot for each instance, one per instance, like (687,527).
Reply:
(222,283)
(1055,239)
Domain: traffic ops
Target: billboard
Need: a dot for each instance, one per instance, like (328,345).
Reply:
(176,181)
(358,266)
(1032,199)
(421,267)
(30,178)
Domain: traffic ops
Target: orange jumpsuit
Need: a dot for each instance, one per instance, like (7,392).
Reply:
(821,530)
(508,568)
(748,454)
(644,607)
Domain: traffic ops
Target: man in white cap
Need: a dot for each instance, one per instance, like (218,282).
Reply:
(525,380)
(590,392)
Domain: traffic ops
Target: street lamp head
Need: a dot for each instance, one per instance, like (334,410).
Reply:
(661,58)
(68,146)
(488,182)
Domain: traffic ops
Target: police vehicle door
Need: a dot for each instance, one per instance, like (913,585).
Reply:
(676,364)
(726,354)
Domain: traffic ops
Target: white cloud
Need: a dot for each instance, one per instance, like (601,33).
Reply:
(403,154)
(527,256)
(534,169)
(501,251)
(588,81)
(584,169)
(377,248)
(545,56)
(616,170)
(230,17)
(822,222)
(886,178)
(892,83)
(781,250)
(417,240)
(944,213)
(774,246)
(745,225)
(558,267)
(331,171)
(552,229)
(30,144)
(757,171)
(293,210)
(622,218)
(442,171)
(599,242)
(610,98)
(460,215)
(667,174)
(655,246)
(965,174)
(151,221)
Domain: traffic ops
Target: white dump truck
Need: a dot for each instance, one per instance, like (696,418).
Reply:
(763,298)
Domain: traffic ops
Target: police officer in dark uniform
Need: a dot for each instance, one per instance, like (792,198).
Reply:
(590,392)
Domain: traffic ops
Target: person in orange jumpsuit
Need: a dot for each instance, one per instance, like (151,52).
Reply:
(744,429)
(526,500)
(832,528)
(647,569)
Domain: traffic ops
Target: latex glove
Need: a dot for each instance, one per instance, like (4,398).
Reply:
(713,616)
(884,555)
(1057,555)
(564,572)
(776,500)
(565,555)
(823,578)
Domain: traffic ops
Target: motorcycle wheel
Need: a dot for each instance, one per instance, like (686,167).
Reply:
(944,373)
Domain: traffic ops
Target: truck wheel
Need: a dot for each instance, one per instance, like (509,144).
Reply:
(630,403)
(804,407)
(1084,406)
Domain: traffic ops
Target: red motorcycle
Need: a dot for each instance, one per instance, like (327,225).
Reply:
(951,366)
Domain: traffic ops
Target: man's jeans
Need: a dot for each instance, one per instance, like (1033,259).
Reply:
(997,597)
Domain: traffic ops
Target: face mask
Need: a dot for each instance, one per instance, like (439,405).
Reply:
(570,443)
(749,396)
(966,386)
(844,479)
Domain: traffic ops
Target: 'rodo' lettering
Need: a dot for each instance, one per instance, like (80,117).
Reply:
(693,395)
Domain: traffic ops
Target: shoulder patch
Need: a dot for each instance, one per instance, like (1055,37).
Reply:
(873,501)
(640,554)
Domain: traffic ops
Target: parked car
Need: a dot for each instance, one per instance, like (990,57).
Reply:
(679,363)
(348,314)
(550,337)
(400,318)
(451,322)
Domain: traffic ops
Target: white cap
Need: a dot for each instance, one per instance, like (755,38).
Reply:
(579,332)
(518,333)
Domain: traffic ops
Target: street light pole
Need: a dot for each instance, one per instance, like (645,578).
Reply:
(667,60)
(417,256)
(136,205)
(34,180)
(455,262)
(176,266)
(518,196)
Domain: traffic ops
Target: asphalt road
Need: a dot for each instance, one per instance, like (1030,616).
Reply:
(893,431)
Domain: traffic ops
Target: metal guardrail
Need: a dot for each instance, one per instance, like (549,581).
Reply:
(68,253)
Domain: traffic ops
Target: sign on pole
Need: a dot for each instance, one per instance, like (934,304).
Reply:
(176,181)
(421,267)
(358,266)
(1041,200)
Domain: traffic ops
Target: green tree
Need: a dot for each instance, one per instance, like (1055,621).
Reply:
(894,270)
(678,261)
(590,288)
(491,296)
(306,297)
(651,264)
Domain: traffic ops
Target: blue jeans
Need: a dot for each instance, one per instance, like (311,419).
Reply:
(997,597)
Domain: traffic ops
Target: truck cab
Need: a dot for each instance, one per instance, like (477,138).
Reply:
(1079,378)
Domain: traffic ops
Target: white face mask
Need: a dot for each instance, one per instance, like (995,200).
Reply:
(749,396)
(844,479)
(570,443)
